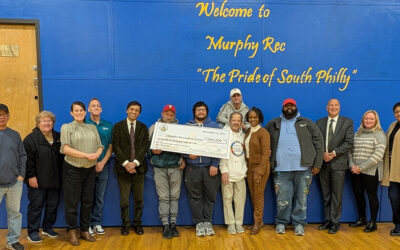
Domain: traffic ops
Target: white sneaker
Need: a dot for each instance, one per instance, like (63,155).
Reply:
(208,228)
(91,233)
(280,229)
(200,229)
(98,229)
(231,229)
(299,230)
(239,229)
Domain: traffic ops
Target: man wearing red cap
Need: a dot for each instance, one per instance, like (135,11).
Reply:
(296,154)
(167,177)
(338,135)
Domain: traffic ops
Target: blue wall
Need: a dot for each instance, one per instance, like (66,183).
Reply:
(150,51)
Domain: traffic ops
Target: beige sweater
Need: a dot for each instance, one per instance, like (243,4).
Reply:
(394,173)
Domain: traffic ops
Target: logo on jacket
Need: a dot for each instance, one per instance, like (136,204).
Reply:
(237,148)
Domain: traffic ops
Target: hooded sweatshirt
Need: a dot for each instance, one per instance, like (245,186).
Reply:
(202,161)
(235,166)
(227,109)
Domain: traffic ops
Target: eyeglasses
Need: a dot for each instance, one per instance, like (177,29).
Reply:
(47,121)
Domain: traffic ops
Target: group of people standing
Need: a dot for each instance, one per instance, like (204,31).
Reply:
(290,147)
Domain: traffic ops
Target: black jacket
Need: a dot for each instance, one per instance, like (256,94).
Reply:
(121,143)
(44,160)
(310,140)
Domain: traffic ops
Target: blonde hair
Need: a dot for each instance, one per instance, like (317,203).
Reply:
(377,126)
(44,114)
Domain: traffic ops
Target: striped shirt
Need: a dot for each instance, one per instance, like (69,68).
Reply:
(368,151)
(82,137)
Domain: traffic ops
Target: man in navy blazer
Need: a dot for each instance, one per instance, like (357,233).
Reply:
(338,135)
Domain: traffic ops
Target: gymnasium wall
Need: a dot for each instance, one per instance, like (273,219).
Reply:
(180,51)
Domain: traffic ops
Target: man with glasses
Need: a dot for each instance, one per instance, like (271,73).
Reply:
(12,169)
(202,177)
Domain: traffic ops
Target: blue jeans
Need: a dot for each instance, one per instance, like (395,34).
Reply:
(98,199)
(14,217)
(291,190)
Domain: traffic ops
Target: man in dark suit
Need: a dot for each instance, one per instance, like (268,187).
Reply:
(130,143)
(338,135)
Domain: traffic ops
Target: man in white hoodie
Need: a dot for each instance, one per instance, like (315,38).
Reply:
(235,104)
(233,172)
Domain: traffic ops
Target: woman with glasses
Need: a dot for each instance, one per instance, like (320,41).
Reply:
(43,176)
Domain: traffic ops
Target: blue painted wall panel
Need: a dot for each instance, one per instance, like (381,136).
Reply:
(150,51)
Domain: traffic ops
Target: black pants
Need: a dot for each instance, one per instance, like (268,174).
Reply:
(39,199)
(78,187)
(131,183)
(202,191)
(332,183)
(394,196)
(369,183)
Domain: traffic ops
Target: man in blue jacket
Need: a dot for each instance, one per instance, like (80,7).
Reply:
(12,169)
(202,177)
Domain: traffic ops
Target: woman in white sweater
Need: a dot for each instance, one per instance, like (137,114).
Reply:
(233,172)
(366,167)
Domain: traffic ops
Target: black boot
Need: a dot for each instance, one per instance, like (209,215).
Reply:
(174,231)
(359,223)
(166,232)
(370,227)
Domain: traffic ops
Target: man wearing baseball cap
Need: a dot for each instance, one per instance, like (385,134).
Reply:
(236,104)
(12,169)
(167,177)
(296,154)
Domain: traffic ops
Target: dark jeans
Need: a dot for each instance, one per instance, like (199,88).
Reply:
(99,191)
(202,191)
(394,196)
(39,199)
(131,183)
(78,187)
(368,183)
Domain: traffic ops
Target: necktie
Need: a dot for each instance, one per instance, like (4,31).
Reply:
(132,135)
(330,131)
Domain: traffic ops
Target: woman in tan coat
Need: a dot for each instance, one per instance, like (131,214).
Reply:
(257,145)
(391,169)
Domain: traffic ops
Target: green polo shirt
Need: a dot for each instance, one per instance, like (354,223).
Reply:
(105,132)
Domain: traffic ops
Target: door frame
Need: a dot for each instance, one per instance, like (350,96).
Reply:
(38,54)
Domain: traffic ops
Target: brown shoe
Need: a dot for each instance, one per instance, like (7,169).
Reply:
(250,227)
(256,228)
(86,236)
(73,237)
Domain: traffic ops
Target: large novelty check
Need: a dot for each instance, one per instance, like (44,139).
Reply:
(186,139)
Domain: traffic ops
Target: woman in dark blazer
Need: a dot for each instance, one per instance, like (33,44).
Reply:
(43,176)
(257,145)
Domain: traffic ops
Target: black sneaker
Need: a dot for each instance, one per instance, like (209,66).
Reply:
(16,246)
(174,231)
(166,232)
(34,237)
(50,233)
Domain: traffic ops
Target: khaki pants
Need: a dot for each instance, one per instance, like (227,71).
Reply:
(236,192)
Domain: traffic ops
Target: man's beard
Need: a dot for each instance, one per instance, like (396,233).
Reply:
(289,113)
(200,119)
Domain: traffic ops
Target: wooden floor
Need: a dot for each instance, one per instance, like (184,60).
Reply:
(346,238)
